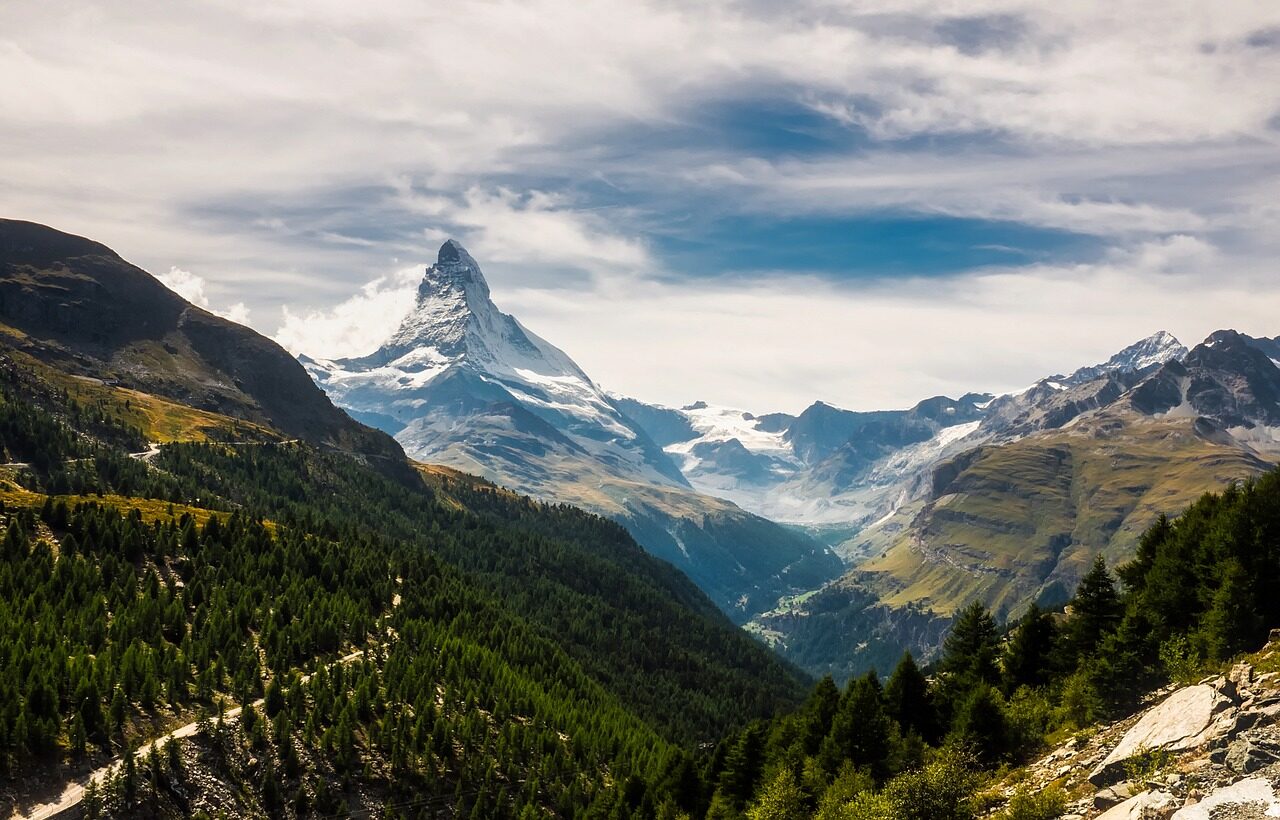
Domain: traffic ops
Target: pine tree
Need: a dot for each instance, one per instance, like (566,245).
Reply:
(1095,610)
(970,651)
(742,766)
(1029,657)
(907,700)
(780,799)
(274,701)
(860,730)
(819,711)
(980,724)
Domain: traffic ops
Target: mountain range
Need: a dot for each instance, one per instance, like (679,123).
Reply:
(189,523)
(462,384)
(839,537)
(1003,498)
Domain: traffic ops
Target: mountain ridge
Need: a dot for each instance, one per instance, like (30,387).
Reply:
(461,383)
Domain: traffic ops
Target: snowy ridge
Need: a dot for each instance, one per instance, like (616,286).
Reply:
(1156,349)
(456,345)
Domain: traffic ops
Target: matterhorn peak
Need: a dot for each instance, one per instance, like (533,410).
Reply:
(451,251)
(455,270)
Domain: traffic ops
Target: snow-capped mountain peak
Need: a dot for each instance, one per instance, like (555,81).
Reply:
(454,320)
(1156,349)
(456,350)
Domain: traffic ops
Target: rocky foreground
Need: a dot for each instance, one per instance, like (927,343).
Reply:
(1210,751)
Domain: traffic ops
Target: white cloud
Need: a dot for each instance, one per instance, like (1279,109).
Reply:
(356,325)
(237,313)
(781,343)
(186,284)
(256,143)
(532,229)
(191,287)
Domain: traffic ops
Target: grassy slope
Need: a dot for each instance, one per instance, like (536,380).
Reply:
(1025,519)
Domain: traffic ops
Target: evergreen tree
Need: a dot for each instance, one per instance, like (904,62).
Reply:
(1095,610)
(780,799)
(742,766)
(970,651)
(860,731)
(1029,657)
(907,700)
(819,711)
(980,724)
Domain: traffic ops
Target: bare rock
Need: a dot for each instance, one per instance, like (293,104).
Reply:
(1187,719)
(1113,796)
(1247,755)
(1153,804)
(1241,675)
(1254,792)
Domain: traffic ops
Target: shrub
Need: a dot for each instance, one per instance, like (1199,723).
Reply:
(1046,804)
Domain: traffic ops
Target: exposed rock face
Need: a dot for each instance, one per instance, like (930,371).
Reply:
(76,303)
(1185,720)
(1216,756)
(1141,806)
(1253,792)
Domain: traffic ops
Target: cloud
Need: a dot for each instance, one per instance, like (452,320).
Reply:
(191,287)
(533,228)
(186,284)
(293,151)
(779,343)
(354,326)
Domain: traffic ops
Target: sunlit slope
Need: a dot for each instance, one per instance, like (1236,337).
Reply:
(1021,521)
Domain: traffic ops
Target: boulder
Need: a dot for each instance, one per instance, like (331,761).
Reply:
(1141,807)
(1247,755)
(1241,675)
(1252,791)
(1187,719)
(1113,796)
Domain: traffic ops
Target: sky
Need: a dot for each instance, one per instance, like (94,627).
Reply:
(750,203)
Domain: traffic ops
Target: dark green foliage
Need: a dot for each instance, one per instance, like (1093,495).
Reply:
(521,657)
(907,700)
(979,724)
(860,732)
(1030,658)
(1095,611)
(1205,585)
(970,652)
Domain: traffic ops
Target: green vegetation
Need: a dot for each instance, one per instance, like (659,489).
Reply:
(1201,589)
(516,657)
(1023,521)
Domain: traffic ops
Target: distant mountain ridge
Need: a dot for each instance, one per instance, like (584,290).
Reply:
(461,383)
(1048,478)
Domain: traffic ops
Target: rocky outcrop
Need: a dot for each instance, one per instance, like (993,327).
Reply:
(1209,751)
(1254,793)
(1140,806)
(1187,719)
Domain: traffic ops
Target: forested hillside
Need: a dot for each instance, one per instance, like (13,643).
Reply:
(415,637)
(920,745)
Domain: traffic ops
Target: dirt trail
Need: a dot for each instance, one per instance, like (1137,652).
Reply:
(73,793)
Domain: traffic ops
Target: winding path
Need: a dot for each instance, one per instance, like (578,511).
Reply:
(73,793)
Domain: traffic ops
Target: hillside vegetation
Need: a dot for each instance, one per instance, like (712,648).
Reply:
(1201,590)
(463,647)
